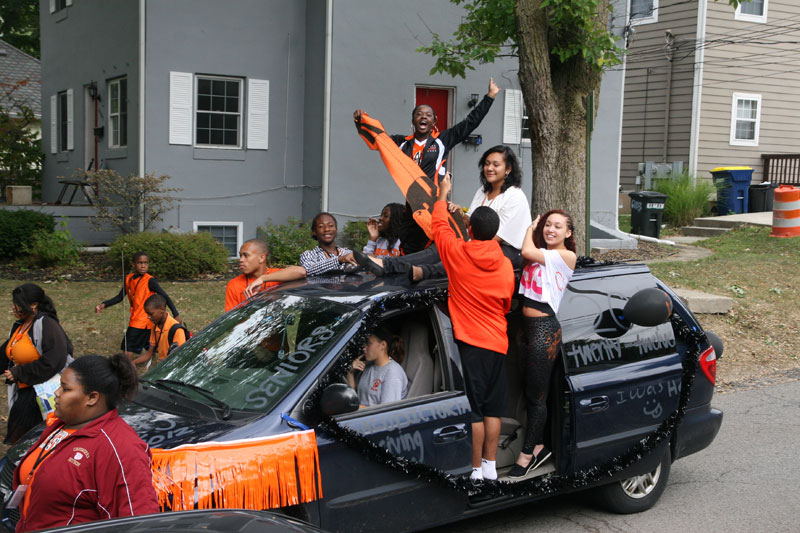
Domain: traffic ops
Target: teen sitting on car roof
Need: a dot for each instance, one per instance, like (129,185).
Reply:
(384,232)
(384,380)
(481,284)
(253,257)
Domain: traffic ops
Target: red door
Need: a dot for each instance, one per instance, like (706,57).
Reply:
(439,100)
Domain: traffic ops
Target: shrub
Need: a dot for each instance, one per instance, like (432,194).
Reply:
(172,255)
(17,229)
(355,234)
(119,197)
(50,248)
(688,199)
(287,241)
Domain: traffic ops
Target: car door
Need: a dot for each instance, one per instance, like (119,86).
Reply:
(433,429)
(623,379)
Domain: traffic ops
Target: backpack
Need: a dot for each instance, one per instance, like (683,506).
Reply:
(171,336)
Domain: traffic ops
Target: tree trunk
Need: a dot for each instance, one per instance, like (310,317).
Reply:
(555,98)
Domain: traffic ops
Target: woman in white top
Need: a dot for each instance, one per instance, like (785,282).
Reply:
(500,189)
(382,378)
(500,178)
(549,250)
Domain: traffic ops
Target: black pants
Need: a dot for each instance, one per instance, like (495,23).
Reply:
(537,358)
(24,415)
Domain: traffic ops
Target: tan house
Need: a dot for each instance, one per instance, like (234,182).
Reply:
(708,85)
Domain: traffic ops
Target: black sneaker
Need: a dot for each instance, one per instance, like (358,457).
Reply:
(518,471)
(368,264)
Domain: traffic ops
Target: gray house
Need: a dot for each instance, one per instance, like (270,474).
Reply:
(248,104)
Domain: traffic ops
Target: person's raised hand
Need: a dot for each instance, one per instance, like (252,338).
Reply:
(359,364)
(445,185)
(372,229)
(357,114)
(454,207)
(493,88)
(535,222)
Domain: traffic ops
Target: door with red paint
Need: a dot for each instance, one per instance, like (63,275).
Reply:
(439,99)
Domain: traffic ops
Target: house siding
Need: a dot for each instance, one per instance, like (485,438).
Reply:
(106,32)
(646,93)
(245,39)
(768,67)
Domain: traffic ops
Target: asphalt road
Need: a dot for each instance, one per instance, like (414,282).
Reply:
(747,480)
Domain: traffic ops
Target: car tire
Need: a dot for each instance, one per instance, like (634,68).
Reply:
(637,493)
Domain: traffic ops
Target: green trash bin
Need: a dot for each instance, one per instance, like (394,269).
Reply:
(647,208)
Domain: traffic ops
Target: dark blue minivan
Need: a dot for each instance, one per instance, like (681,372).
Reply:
(626,402)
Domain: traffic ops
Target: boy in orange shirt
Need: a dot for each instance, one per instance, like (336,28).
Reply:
(166,332)
(481,283)
(253,256)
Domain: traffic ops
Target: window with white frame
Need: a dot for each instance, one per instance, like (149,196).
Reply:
(229,234)
(644,11)
(753,11)
(118,113)
(61,121)
(745,119)
(209,111)
(218,117)
(59,5)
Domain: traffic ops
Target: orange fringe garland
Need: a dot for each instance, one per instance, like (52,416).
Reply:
(251,474)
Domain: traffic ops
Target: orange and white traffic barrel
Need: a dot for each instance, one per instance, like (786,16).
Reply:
(786,212)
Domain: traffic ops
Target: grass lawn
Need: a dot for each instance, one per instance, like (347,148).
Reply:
(198,302)
(762,275)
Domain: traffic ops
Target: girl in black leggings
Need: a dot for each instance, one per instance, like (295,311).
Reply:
(549,249)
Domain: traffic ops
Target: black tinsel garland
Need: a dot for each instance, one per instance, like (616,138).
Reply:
(543,485)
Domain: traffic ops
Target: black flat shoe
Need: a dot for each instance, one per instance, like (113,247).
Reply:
(518,471)
(368,264)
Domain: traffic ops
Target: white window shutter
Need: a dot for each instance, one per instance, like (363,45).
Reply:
(70,120)
(512,117)
(257,114)
(54,124)
(52,6)
(180,107)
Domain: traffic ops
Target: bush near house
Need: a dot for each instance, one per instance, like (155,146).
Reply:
(17,229)
(688,199)
(287,241)
(51,248)
(356,234)
(172,255)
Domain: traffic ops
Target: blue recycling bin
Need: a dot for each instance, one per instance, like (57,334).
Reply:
(733,187)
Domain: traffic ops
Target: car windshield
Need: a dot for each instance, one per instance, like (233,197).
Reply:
(253,355)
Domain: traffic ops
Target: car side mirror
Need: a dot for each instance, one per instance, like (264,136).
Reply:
(338,399)
(648,307)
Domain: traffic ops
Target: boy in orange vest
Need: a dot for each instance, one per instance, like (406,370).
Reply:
(166,334)
(139,285)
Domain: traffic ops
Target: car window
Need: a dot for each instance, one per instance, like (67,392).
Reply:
(252,356)
(423,356)
(594,330)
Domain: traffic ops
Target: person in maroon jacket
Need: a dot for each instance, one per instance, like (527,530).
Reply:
(88,464)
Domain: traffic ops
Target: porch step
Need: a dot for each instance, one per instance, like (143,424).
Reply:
(700,302)
(699,231)
(716,222)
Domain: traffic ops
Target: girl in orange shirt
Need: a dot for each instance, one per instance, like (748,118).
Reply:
(36,350)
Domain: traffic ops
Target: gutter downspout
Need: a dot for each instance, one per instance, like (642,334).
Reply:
(697,87)
(326,118)
(141,101)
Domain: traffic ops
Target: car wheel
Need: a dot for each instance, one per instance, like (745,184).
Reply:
(638,493)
